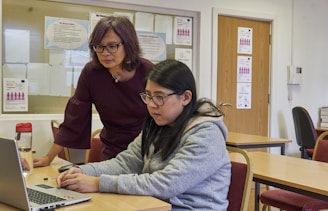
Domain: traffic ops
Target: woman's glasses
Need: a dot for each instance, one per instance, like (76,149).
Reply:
(111,48)
(157,99)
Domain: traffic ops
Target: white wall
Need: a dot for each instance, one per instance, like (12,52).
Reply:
(299,37)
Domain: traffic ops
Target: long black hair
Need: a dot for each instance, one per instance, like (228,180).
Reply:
(174,75)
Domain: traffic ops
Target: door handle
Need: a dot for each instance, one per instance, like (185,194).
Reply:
(221,104)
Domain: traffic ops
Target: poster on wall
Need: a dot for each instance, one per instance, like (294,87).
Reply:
(244,96)
(245,40)
(244,69)
(182,31)
(184,55)
(63,33)
(153,45)
(94,17)
(15,94)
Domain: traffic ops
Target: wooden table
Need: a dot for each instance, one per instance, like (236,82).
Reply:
(303,176)
(246,141)
(99,201)
(320,130)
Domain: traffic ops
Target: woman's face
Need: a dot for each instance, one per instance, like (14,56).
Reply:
(167,113)
(111,60)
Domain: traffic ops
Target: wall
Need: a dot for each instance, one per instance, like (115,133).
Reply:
(299,37)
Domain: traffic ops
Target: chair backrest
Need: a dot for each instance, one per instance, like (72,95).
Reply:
(54,128)
(94,154)
(321,148)
(77,156)
(304,129)
(241,181)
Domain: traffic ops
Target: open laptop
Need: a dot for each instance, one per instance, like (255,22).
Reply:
(13,190)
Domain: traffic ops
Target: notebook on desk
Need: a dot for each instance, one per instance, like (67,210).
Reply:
(15,192)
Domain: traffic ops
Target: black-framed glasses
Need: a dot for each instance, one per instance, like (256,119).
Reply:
(157,99)
(111,48)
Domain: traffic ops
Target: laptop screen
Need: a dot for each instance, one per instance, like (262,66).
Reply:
(13,189)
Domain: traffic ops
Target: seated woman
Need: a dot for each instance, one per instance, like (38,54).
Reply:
(180,155)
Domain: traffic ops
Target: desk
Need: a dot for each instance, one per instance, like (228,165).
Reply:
(303,176)
(246,141)
(99,201)
(320,130)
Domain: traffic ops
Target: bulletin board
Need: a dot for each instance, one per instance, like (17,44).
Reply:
(42,58)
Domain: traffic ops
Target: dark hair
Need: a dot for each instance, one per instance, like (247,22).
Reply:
(176,76)
(126,31)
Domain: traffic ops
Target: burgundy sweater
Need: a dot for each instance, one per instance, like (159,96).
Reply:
(119,106)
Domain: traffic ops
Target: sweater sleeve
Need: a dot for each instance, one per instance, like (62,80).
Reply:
(127,162)
(75,131)
(202,154)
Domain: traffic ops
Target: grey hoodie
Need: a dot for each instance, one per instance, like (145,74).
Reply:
(195,177)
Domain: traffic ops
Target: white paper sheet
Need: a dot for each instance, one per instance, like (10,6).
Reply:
(15,94)
(245,40)
(61,81)
(17,46)
(144,22)
(39,78)
(244,69)
(184,55)
(164,23)
(182,31)
(244,96)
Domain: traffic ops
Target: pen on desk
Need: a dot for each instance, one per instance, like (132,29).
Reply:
(49,178)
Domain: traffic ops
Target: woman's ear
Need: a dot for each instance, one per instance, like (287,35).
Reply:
(187,96)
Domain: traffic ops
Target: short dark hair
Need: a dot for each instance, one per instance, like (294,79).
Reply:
(123,27)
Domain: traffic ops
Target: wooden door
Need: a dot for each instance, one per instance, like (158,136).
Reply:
(255,119)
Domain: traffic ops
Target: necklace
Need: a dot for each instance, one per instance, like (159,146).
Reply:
(116,79)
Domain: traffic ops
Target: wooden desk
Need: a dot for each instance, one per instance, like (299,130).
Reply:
(246,141)
(320,130)
(99,201)
(303,176)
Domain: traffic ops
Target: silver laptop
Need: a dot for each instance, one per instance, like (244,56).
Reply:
(14,192)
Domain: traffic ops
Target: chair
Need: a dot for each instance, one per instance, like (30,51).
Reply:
(287,200)
(79,156)
(241,180)
(321,148)
(94,154)
(54,128)
(305,131)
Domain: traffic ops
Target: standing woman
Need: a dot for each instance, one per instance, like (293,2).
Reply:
(180,156)
(112,82)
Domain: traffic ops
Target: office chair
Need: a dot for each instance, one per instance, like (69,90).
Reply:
(76,156)
(94,154)
(306,134)
(287,200)
(54,128)
(241,181)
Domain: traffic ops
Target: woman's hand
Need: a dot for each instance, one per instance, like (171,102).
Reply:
(73,179)
(41,161)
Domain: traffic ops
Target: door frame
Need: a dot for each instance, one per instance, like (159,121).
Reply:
(246,15)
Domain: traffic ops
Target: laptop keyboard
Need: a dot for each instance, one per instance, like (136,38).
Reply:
(41,198)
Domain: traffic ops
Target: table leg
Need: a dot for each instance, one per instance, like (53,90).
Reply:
(257,196)
(282,149)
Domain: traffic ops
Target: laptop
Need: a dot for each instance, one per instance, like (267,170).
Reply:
(14,191)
